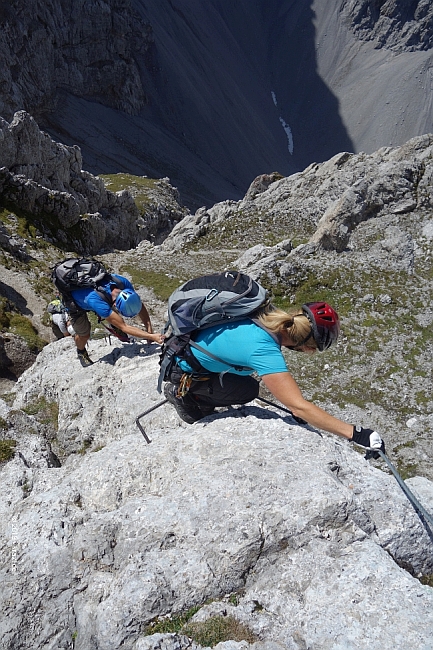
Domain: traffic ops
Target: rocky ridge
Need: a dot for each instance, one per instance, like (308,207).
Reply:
(44,181)
(355,230)
(105,540)
(288,532)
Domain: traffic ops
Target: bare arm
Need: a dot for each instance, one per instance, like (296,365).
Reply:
(118,322)
(286,390)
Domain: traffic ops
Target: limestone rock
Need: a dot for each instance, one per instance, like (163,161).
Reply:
(44,180)
(15,356)
(297,523)
(325,203)
(60,54)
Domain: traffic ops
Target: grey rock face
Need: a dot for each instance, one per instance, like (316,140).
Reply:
(327,201)
(44,180)
(85,49)
(397,24)
(15,356)
(307,533)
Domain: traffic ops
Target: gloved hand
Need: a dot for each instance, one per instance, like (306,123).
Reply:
(369,439)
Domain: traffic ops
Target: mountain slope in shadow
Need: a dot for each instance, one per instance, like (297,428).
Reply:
(210,94)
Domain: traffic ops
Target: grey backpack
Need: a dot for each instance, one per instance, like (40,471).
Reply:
(203,302)
(78,273)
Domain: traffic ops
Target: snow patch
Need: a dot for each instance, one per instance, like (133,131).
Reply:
(285,126)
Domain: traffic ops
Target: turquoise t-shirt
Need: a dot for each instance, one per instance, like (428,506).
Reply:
(240,344)
(90,300)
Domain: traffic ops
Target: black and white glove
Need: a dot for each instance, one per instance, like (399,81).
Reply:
(369,439)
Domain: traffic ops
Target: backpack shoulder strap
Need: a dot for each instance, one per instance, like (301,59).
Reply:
(105,296)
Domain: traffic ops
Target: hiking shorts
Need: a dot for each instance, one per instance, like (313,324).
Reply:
(80,323)
(235,389)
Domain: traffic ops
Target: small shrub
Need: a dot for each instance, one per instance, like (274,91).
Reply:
(7,450)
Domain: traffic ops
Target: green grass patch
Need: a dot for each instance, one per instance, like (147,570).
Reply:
(85,447)
(207,633)
(7,450)
(410,444)
(22,326)
(162,285)
(9,398)
(45,412)
(218,629)
(44,287)
(406,470)
(171,624)
(12,321)
(138,186)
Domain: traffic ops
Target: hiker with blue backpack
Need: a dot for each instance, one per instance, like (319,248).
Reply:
(224,329)
(87,286)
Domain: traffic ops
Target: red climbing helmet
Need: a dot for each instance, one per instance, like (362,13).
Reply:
(325,323)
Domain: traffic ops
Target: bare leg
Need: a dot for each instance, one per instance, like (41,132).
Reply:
(80,341)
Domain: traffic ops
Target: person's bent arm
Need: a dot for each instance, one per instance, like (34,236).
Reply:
(286,390)
(118,322)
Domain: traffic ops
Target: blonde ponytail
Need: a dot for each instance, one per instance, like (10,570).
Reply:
(295,323)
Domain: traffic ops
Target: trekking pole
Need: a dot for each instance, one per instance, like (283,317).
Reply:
(282,408)
(414,501)
(138,418)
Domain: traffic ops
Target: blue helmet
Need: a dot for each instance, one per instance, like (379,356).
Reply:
(128,303)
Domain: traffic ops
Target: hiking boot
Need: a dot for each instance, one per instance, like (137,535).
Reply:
(206,409)
(84,358)
(185,407)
